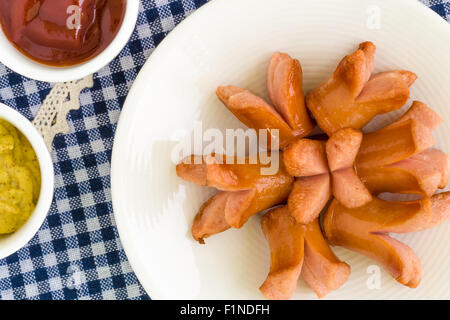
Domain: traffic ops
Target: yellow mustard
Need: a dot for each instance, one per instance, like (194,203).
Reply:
(20,178)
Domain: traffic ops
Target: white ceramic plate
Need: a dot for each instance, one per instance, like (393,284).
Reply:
(230,42)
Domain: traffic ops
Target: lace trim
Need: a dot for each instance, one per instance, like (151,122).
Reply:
(51,117)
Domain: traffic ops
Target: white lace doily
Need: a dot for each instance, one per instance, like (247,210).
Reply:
(51,117)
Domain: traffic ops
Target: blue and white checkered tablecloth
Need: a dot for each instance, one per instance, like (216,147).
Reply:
(77,253)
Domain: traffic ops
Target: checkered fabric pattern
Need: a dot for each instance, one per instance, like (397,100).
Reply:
(442,7)
(77,253)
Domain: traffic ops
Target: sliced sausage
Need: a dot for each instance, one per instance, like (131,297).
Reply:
(387,91)
(286,242)
(438,160)
(216,171)
(248,191)
(322,270)
(342,148)
(255,113)
(308,197)
(422,113)
(393,143)
(285,85)
(421,173)
(349,189)
(350,98)
(365,230)
(305,157)
(210,219)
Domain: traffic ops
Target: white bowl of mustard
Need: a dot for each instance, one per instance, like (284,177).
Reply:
(26,181)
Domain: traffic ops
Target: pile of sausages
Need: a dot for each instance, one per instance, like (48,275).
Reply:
(340,176)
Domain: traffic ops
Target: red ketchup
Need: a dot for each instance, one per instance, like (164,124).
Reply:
(61,33)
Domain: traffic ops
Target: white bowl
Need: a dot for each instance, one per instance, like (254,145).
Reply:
(13,242)
(16,61)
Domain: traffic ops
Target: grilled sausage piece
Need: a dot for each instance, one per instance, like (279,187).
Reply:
(421,112)
(285,85)
(246,191)
(308,197)
(295,250)
(349,189)
(350,98)
(342,149)
(256,113)
(286,242)
(422,173)
(365,230)
(305,157)
(393,143)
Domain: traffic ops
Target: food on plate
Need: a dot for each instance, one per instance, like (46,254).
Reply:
(394,143)
(20,178)
(306,160)
(256,113)
(363,164)
(286,241)
(422,173)
(398,158)
(342,149)
(285,86)
(289,115)
(422,113)
(61,32)
(366,230)
(352,96)
(305,157)
(245,191)
(295,250)
(322,270)
(347,165)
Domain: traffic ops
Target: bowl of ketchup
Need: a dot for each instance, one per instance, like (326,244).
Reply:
(63,40)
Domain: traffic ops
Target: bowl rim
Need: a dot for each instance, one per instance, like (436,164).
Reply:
(11,243)
(18,62)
